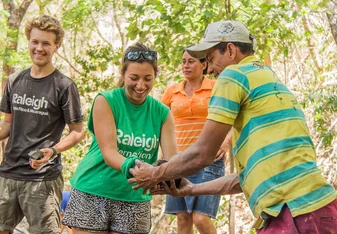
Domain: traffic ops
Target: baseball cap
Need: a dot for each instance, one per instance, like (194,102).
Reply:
(221,31)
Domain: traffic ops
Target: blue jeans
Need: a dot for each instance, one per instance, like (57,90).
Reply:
(206,204)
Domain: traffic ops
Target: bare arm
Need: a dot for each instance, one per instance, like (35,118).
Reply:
(222,186)
(5,126)
(76,134)
(105,131)
(168,139)
(199,155)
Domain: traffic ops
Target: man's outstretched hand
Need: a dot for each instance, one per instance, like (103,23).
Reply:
(143,175)
(184,189)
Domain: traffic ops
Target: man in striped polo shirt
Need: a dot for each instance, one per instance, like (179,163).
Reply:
(274,155)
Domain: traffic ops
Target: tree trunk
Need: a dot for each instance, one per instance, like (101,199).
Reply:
(14,21)
(332,17)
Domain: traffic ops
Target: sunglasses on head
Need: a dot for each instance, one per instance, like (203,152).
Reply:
(135,55)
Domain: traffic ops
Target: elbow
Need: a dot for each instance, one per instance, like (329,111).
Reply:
(81,137)
(206,161)
(106,159)
(107,162)
(204,157)
(77,132)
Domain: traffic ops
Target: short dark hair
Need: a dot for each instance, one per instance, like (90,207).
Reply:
(125,62)
(245,48)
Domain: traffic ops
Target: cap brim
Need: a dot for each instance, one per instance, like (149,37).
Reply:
(199,50)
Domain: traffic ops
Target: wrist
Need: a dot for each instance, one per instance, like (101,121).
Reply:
(54,151)
(193,190)
(126,165)
(155,177)
(158,173)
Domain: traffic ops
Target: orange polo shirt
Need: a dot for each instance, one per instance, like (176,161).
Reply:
(189,112)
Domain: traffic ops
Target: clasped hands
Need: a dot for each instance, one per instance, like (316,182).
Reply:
(47,154)
(148,177)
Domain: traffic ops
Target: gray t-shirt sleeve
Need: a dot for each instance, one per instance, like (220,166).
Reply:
(5,101)
(71,105)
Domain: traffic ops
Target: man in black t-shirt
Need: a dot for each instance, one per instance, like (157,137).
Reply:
(38,102)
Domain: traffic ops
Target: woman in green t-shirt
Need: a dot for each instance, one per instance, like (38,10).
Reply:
(126,124)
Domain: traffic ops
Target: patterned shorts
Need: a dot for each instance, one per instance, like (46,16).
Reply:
(98,214)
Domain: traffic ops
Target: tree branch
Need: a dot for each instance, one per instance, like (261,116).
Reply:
(332,18)
(69,63)
(42,5)
(99,32)
(23,7)
(120,32)
(310,44)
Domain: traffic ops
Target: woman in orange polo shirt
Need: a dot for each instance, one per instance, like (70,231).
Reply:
(188,102)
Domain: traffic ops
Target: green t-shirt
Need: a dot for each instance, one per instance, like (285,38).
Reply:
(138,133)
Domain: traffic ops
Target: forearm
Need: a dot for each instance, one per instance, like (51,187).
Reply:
(186,163)
(113,159)
(118,162)
(201,154)
(73,138)
(221,186)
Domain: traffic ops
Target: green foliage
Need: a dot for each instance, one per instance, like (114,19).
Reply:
(20,59)
(267,24)
(77,17)
(97,60)
(71,159)
(252,231)
(222,218)
(324,102)
(170,26)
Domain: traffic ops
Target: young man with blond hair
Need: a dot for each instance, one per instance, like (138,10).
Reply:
(38,102)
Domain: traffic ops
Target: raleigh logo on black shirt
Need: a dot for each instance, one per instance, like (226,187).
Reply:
(27,102)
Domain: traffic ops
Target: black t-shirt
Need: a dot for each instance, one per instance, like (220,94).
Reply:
(40,109)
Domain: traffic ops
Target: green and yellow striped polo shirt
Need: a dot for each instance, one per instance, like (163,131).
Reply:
(273,152)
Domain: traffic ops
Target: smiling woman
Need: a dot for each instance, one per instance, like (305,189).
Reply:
(138,82)
(138,72)
(126,124)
